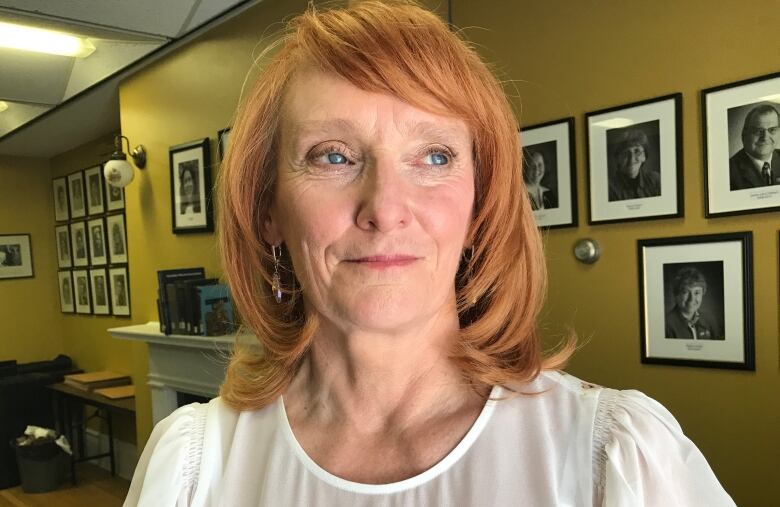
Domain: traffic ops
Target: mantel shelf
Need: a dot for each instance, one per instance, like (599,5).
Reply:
(150,333)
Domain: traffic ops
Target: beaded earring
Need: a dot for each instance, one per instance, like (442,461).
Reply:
(276,285)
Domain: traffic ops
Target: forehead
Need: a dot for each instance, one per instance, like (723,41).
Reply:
(319,102)
(768,118)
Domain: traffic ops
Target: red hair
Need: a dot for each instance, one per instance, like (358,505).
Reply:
(407,51)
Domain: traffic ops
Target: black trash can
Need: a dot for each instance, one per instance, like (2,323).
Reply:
(41,466)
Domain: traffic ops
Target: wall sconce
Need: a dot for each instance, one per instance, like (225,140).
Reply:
(118,171)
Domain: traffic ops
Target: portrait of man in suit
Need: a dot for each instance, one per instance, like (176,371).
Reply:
(757,164)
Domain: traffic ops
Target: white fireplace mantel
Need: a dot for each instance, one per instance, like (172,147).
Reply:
(181,363)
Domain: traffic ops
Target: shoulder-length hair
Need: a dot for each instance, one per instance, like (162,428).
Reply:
(401,49)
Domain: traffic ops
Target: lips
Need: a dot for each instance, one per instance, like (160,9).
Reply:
(384,261)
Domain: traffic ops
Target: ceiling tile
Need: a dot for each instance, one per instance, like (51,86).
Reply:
(33,77)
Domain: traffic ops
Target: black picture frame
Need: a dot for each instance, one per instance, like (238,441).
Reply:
(116,237)
(552,143)
(93,185)
(76,197)
(62,241)
(61,201)
(83,305)
(117,294)
(96,237)
(223,142)
(732,180)
(101,295)
(191,210)
(16,258)
(115,197)
(79,244)
(656,126)
(65,284)
(688,274)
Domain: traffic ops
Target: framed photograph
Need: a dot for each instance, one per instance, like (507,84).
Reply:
(223,142)
(635,161)
(62,232)
(79,244)
(115,197)
(741,157)
(117,238)
(191,208)
(120,291)
(94,183)
(96,232)
(81,285)
(60,187)
(549,172)
(78,206)
(689,315)
(66,292)
(15,256)
(98,283)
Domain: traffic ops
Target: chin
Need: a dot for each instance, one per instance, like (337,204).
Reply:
(386,310)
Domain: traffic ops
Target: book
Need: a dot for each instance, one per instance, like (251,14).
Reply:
(96,380)
(117,393)
(192,304)
(164,277)
(216,310)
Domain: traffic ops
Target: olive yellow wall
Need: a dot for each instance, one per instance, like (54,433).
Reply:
(570,57)
(189,95)
(29,307)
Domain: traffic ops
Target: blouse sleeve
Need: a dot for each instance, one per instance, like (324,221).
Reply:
(166,474)
(647,460)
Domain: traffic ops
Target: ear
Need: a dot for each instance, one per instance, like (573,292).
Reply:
(271,232)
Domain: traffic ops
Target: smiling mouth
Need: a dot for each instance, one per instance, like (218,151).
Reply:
(383,261)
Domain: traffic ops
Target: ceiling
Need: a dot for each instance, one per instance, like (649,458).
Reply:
(49,96)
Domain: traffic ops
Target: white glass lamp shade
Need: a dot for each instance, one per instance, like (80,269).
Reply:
(118,173)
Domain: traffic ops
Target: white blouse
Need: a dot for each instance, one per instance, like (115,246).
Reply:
(572,444)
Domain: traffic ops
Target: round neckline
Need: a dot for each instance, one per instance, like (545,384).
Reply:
(377,489)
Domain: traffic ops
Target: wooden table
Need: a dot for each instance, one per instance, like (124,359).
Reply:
(65,398)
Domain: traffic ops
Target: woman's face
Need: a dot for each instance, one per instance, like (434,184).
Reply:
(373,201)
(537,168)
(187,184)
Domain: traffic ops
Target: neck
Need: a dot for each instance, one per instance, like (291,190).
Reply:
(379,379)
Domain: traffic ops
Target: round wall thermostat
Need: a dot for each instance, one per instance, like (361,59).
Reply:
(587,251)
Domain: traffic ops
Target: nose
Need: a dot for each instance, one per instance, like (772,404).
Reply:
(383,204)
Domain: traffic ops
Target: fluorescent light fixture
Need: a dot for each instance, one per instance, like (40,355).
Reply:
(614,123)
(3,106)
(27,38)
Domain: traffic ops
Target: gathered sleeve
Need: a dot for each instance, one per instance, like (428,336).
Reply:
(646,460)
(166,473)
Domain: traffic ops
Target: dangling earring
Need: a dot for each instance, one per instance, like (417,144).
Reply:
(276,285)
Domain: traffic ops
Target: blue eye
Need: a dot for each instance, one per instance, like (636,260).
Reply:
(437,158)
(336,158)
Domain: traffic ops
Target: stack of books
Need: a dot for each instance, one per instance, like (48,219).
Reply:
(93,381)
(188,303)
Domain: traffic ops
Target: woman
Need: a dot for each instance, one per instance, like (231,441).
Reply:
(377,239)
(188,188)
(533,173)
(631,179)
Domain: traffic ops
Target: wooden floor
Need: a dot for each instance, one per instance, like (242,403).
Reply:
(95,487)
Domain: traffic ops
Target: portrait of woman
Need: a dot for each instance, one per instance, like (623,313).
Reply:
(378,240)
(189,190)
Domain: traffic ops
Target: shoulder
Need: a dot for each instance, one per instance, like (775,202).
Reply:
(738,159)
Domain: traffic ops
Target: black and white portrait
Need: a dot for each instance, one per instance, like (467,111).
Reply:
(100,301)
(15,256)
(66,291)
(63,246)
(634,171)
(120,291)
(754,159)
(81,284)
(78,206)
(191,209)
(540,173)
(694,300)
(78,236)
(60,187)
(97,242)
(117,238)
(94,180)
(11,255)
(115,197)
(189,187)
